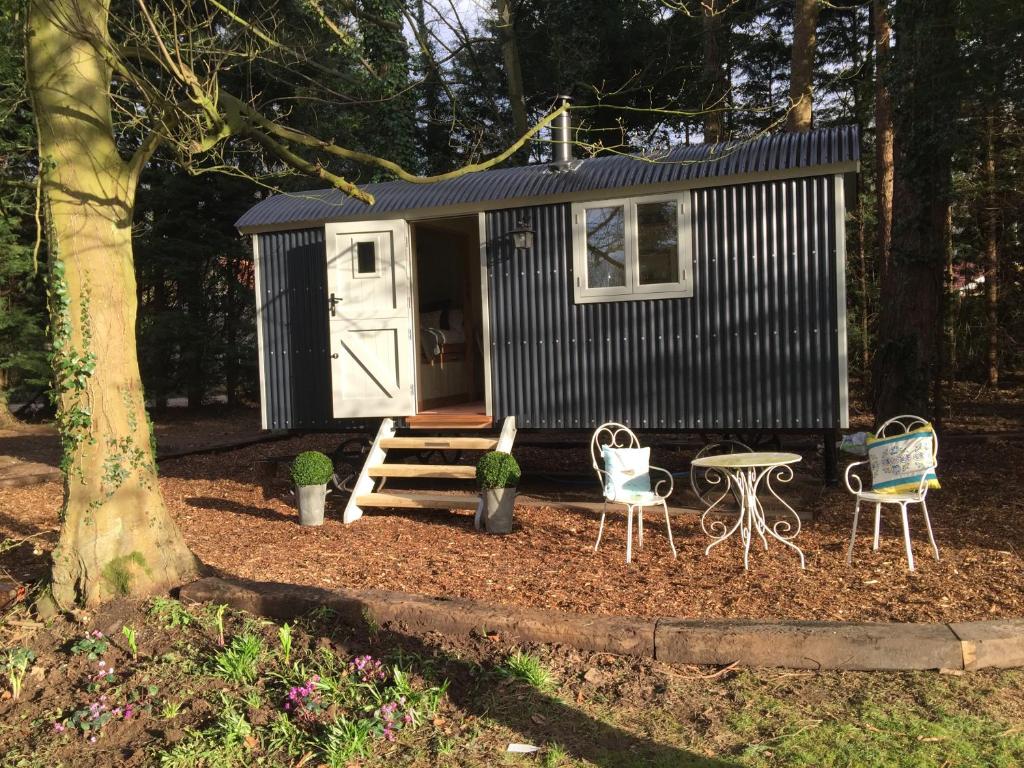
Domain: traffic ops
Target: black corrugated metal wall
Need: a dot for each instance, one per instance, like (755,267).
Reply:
(757,347)
(293,317)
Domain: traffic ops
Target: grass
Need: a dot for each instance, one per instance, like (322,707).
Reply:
(530,670)
(239,662)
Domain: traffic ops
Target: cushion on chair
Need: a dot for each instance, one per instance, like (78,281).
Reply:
(628,473)
(899,461)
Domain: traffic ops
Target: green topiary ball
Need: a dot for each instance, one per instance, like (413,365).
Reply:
(311,468)
(498,470)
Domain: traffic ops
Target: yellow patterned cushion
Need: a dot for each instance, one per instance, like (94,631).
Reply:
(898,462)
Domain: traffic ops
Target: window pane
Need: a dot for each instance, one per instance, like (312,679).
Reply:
(606,247)
(658,242)
(366,258)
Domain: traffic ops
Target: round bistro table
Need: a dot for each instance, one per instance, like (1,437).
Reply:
(742,475)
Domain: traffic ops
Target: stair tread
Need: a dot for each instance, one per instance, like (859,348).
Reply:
(450,421)
(466,443)
(453,471)
(418,500)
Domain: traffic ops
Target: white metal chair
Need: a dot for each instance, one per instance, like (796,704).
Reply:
(897,425)
(613,435)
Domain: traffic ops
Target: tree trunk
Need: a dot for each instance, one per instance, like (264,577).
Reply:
(912,291)
(991,225)
(231,330)
(801,73)
(116,535)
(195,355)
(883,136)
(713,74)
(7,419)
(865,302)
(944,322)
(513,71)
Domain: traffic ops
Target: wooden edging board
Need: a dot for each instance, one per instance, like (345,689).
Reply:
(793,644)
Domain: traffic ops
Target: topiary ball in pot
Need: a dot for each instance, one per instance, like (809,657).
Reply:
(311,471)
(498,475)
(498,470)
(312,468)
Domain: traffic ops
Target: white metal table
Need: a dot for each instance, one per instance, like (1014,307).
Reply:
(742,474)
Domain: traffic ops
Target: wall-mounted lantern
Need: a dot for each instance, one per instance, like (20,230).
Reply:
(522,236)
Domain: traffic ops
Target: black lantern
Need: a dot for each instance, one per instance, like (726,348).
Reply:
(522,236)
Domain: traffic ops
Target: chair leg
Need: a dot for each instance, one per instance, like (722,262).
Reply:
(629,534)
(906,536)
(853,533)
(640,527)
(600,529)
(668,529)
(878,523)
(928,525)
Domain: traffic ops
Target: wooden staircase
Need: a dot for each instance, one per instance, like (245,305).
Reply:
(376,470)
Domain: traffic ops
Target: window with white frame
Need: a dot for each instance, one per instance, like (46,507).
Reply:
(632,248)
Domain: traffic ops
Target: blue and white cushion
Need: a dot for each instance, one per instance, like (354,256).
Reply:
(628,477)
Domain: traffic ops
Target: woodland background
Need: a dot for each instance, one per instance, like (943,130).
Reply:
(937,89)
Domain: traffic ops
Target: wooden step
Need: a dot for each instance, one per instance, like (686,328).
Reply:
(446,443)
(449,471)
(449,421)
(417,500)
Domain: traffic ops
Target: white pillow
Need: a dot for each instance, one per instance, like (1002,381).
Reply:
(628,472)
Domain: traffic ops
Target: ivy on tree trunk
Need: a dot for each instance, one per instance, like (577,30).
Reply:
(116,534)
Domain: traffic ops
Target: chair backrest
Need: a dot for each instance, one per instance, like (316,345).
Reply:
(613,435)
(900,425)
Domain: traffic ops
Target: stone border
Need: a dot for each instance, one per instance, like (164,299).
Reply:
(793,644)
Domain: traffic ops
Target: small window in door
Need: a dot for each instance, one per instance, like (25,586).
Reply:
(366,258)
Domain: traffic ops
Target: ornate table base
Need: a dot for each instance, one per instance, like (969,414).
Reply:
(743,482)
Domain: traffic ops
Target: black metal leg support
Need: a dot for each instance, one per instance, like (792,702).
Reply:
(831,437)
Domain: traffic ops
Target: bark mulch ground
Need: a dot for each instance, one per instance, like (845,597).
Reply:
(548,561)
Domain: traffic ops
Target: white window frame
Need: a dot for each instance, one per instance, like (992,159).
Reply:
(632,290)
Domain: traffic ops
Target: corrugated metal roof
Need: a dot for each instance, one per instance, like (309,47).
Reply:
(490,189)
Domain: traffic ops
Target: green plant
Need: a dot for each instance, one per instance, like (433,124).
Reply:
(344,739)
(171,612)
(93,645)
(129,636)
(239,662)
(529,669)
(497,470)
(284,637)
(170,709)
(311,468)
(226,743)
(218,619)
(16,663)
(372,627)
(444,746)
(554,755)
(285,736)
(252,700)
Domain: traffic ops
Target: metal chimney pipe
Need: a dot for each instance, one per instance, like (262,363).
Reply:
(561,138)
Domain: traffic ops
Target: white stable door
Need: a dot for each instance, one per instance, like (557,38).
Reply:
(369,278)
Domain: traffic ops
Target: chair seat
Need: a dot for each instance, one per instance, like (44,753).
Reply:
(643,498)
(889,498)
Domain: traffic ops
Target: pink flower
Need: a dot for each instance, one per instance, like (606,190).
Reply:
(59,727)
